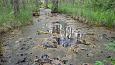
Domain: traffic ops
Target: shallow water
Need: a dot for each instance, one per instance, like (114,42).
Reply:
(21,46)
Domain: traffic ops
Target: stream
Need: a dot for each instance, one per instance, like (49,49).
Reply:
(59,37)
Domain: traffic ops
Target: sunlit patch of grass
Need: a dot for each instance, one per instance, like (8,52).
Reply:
(7,15)
(25,16)
(97,16)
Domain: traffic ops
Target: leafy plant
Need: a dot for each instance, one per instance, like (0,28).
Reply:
(99,63)
(111,46)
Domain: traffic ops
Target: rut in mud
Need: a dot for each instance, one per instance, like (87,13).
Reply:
(58,39)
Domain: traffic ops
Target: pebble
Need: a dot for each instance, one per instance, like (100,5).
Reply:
(90,55)
(21,61)
(86,64)
(108,56)
(21,54)
(29,37)
(20,39)
(30,53)
(17,41)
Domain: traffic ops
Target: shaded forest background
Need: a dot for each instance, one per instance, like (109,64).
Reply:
(19,12)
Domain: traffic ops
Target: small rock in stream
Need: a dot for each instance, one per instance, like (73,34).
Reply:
(1,55)
(84,42)
(21,61)
(29,38)
(108,56)
(19,40)
(86,64)
(21,54)
(90,54)
(22,48)
(30,53)
(3,60)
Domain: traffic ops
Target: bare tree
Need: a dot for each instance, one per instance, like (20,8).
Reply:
(24,4)
(46,3)
(11,2)
(37,2)
(55,6)
(5,3)
(16,7)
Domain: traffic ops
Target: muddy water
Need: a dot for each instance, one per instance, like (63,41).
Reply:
(21,46)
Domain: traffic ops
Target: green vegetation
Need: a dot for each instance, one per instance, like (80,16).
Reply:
(99,63)
(112,60)
(99,12)
(24,16)
(111,46)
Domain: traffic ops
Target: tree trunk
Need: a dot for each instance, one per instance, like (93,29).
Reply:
(16,7)
(5,3)
(37,2)
(55,6)
(46,3)
(23,4)
(11,2)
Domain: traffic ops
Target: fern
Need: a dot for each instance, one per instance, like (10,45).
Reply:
(99,63)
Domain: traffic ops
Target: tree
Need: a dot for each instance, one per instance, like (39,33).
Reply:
(55,6)
(23,4)
(46,3)
(11,2)
(5,3)
(16,7)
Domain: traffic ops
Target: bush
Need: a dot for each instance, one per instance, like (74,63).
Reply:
(96,11)
(99,63)
(24,16)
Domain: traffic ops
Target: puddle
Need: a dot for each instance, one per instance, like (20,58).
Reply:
(58,37)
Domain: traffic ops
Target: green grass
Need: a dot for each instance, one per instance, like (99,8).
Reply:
(111,47)
(5,16)
(97,16)
(25,15)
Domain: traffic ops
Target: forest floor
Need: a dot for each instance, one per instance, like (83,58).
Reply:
(21,46)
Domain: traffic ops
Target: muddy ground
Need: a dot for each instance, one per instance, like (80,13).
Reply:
(21,46)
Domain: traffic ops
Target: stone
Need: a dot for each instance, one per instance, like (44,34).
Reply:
(65,61)
(85,43)
(48,12)
(17,41)
(20,61)
(30,53)
(3,30)
(21,54)
(41,32)
(90,54)
(108,56)
(83,49)
(86,64)
(29,37)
